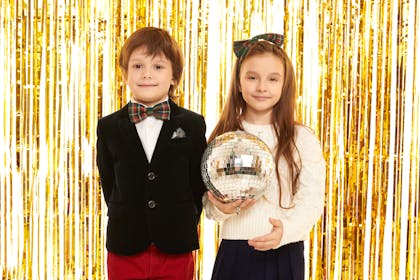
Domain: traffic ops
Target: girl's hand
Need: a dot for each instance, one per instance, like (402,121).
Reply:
(230,207)
(270,240)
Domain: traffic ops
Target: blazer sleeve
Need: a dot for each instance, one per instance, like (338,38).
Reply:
(197,184)
(104,163)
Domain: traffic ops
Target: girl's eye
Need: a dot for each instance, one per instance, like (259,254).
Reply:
(158,67)
(251,78)
(137,65)
(273,80)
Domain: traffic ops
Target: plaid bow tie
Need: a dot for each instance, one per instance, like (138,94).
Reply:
(138,112)
(241,47)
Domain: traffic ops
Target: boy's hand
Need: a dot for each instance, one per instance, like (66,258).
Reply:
(270,240)
(230,207)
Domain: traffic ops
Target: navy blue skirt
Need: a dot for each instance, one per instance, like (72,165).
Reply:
(237,260)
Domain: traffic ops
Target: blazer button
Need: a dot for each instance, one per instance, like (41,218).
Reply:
(151,176)
(151,204)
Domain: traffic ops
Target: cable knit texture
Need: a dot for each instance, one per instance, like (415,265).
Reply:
(306,206)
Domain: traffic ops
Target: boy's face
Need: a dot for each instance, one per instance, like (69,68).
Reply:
(148,77)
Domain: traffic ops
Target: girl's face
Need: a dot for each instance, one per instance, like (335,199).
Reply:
(148,77)
(261,81)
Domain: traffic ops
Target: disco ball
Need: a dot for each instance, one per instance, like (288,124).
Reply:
(237,165)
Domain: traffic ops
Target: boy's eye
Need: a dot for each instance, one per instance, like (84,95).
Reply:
(159,66)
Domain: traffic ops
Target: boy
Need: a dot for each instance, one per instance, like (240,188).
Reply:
(148,156)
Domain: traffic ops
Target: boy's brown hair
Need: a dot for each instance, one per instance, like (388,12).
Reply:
(156,41)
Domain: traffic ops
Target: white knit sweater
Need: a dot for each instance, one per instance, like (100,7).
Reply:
(308,202)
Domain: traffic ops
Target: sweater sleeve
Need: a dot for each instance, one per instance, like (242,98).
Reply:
(212,212)
(308,202)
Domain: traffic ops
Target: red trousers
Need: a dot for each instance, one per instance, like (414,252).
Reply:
(151,264)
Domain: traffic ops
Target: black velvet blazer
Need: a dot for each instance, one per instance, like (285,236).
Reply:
(157,202)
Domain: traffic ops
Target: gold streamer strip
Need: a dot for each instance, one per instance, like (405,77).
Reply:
(59,75)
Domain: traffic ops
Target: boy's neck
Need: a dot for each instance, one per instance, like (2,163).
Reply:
(148,104)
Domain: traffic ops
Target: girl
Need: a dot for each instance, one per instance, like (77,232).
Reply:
(263,239)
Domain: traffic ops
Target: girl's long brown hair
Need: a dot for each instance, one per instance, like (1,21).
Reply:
(283,112)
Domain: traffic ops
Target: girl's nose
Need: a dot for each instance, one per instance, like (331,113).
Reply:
(261,87)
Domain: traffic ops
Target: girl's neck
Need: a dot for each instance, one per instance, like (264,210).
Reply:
(262,119)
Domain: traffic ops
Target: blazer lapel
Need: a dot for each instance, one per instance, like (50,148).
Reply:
(129,131)
(165,134)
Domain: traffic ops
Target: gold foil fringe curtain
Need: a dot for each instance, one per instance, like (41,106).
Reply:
(364,102)
(357,68)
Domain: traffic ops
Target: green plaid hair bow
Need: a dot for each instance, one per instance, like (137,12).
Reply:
(241,47)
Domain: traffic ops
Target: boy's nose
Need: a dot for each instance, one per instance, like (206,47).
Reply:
(147,73)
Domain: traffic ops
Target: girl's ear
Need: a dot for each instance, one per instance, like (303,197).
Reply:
(172,82)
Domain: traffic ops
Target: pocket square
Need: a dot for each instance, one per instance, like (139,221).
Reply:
(178,133)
